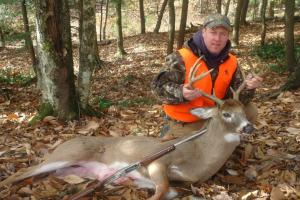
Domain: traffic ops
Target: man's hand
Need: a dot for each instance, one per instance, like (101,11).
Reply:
(253,81)
(190,93)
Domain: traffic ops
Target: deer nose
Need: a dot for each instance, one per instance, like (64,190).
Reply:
(248,128)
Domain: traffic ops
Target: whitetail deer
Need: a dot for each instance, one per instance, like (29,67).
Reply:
(195,161)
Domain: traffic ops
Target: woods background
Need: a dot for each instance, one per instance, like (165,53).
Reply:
(70,68)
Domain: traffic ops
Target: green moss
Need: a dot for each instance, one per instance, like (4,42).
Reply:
(46,109)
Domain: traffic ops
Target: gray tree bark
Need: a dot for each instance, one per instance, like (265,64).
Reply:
(28,40)
(120,52)
(219,6)
(55,69)
(227,7)
(289,35)
(263,21)
(2,40)
(101,20)
(184,13)
(142,16)
(236,26)
(160,16)
(271,9)
(244,12)
(171,26)
(88,58)
(105,21)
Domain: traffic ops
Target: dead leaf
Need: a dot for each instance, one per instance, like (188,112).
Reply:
(277,194)
(25,190)
(288,176)
(251,173)
(12,116)
(91,126)
(73,179)
(51,120)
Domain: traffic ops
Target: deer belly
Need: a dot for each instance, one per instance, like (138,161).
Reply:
(100,171)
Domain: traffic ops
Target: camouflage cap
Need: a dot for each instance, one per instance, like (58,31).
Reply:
(216,20)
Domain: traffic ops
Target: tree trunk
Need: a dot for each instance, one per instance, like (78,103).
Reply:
(2,41)
(171,26)
(28,40)
(88,60)
(184,13)
(55,69)
(105,21)
(142,16)
(120,51)
(219,6)
(263,21)
(271,9)
(244,12)
(254,10)
(101,20)
(160,16)
(227,7)
(289,35)
(236,26)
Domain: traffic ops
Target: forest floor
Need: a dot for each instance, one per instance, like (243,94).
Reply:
(265,166)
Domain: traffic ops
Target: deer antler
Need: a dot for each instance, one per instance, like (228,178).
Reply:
(193,78)
(192,75)
(236,93)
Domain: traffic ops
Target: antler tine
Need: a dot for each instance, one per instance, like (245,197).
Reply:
(192,75)
(236,93)
(194,69)
(250,64)
(194,79)
(243,85)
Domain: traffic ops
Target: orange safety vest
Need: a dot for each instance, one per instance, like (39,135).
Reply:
(181,112)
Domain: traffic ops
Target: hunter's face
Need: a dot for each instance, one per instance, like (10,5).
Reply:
(215,39)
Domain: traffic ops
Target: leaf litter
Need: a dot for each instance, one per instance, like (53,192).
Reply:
(265,166)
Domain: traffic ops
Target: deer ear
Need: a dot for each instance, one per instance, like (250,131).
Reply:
(204,113)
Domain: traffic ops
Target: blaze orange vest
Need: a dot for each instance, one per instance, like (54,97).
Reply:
(181,112)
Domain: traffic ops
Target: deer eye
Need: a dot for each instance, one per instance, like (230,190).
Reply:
(226,115)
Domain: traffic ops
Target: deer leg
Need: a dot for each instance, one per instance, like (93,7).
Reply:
(158,174)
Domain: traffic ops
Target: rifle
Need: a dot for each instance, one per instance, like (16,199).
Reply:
(144,162)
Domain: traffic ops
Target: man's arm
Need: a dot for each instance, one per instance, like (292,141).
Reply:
(167,85)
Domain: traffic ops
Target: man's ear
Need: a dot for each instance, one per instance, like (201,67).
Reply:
(204,113)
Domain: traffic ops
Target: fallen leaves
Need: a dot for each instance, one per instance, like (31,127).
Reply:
(265,166)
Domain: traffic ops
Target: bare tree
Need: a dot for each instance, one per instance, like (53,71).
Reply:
(227,7)
(271,9)
(244,12)
(101,20)
(88,58)
(263,21)
(219,6)
(236,26)
(105,21)
(254,10)
(184,13)
(118,5)
(289,35)
(171,26)
(160,16)
(142,16)
(55,69)
(28,40)
(293,81)
(2,41)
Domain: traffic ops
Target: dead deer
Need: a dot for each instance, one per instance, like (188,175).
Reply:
(195,161)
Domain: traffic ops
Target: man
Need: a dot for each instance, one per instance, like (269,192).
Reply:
(171,85)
